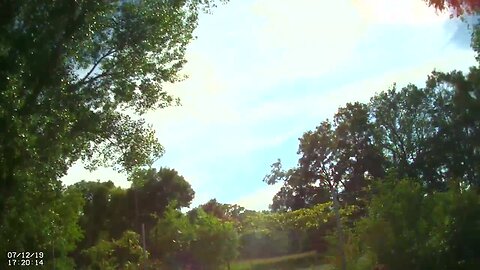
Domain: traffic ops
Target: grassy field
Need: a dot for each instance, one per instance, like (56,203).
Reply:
(302,261)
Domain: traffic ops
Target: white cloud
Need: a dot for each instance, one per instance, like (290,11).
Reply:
(407,12)
(259,199)
(302,38)
(78,173)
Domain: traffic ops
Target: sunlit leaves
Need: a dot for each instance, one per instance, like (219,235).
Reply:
(409,229)
(196,239)
(122,253)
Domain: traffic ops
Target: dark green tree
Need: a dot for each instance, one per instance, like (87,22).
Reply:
(96,219)
(454,151)
(109,211)
(405,120)
(154,190)
(334,156)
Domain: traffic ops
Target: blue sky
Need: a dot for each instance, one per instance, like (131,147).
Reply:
(263,72)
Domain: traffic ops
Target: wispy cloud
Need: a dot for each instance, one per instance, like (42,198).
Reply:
(261,73)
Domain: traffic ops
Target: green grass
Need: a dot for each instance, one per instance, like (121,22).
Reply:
(301,261)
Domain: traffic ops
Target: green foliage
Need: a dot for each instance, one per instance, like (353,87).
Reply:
(172,234)
(335,155)
(154,190)
(94,219)
(407,228)
(216,241)
(32,224)
(109,210)
(225,212)
(279,233)
(262,243)
(431,134)
(124,253)
(197,239)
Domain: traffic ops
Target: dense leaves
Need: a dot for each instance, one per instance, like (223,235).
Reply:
(109,211)
(334,156)
(197,240)
(123,253)
(407,229)
(48,226)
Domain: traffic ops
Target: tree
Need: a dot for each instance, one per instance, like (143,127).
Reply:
(333,156)
(455,147)
(34,224)
(406,119)
(268,234)
(154,190)
(197,239)
(123,253)
(69,72)
(96,218)
(109,211)
(408,229)
(224,212)
(359,153)
(216,241)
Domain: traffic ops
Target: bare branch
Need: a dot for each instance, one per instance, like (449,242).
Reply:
(95,65)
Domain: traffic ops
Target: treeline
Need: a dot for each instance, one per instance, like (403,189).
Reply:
(143,227)
(409,162)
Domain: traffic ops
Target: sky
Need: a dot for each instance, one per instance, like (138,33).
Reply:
(263,72)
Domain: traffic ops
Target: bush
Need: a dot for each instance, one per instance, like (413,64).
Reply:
(124,253)
(199,240)
(407,228)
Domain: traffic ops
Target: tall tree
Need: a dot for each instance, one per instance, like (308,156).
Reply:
(95,219)
(197,240)
(157,190)
(455,149)
(405,120)
(334,156)
(69,70)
